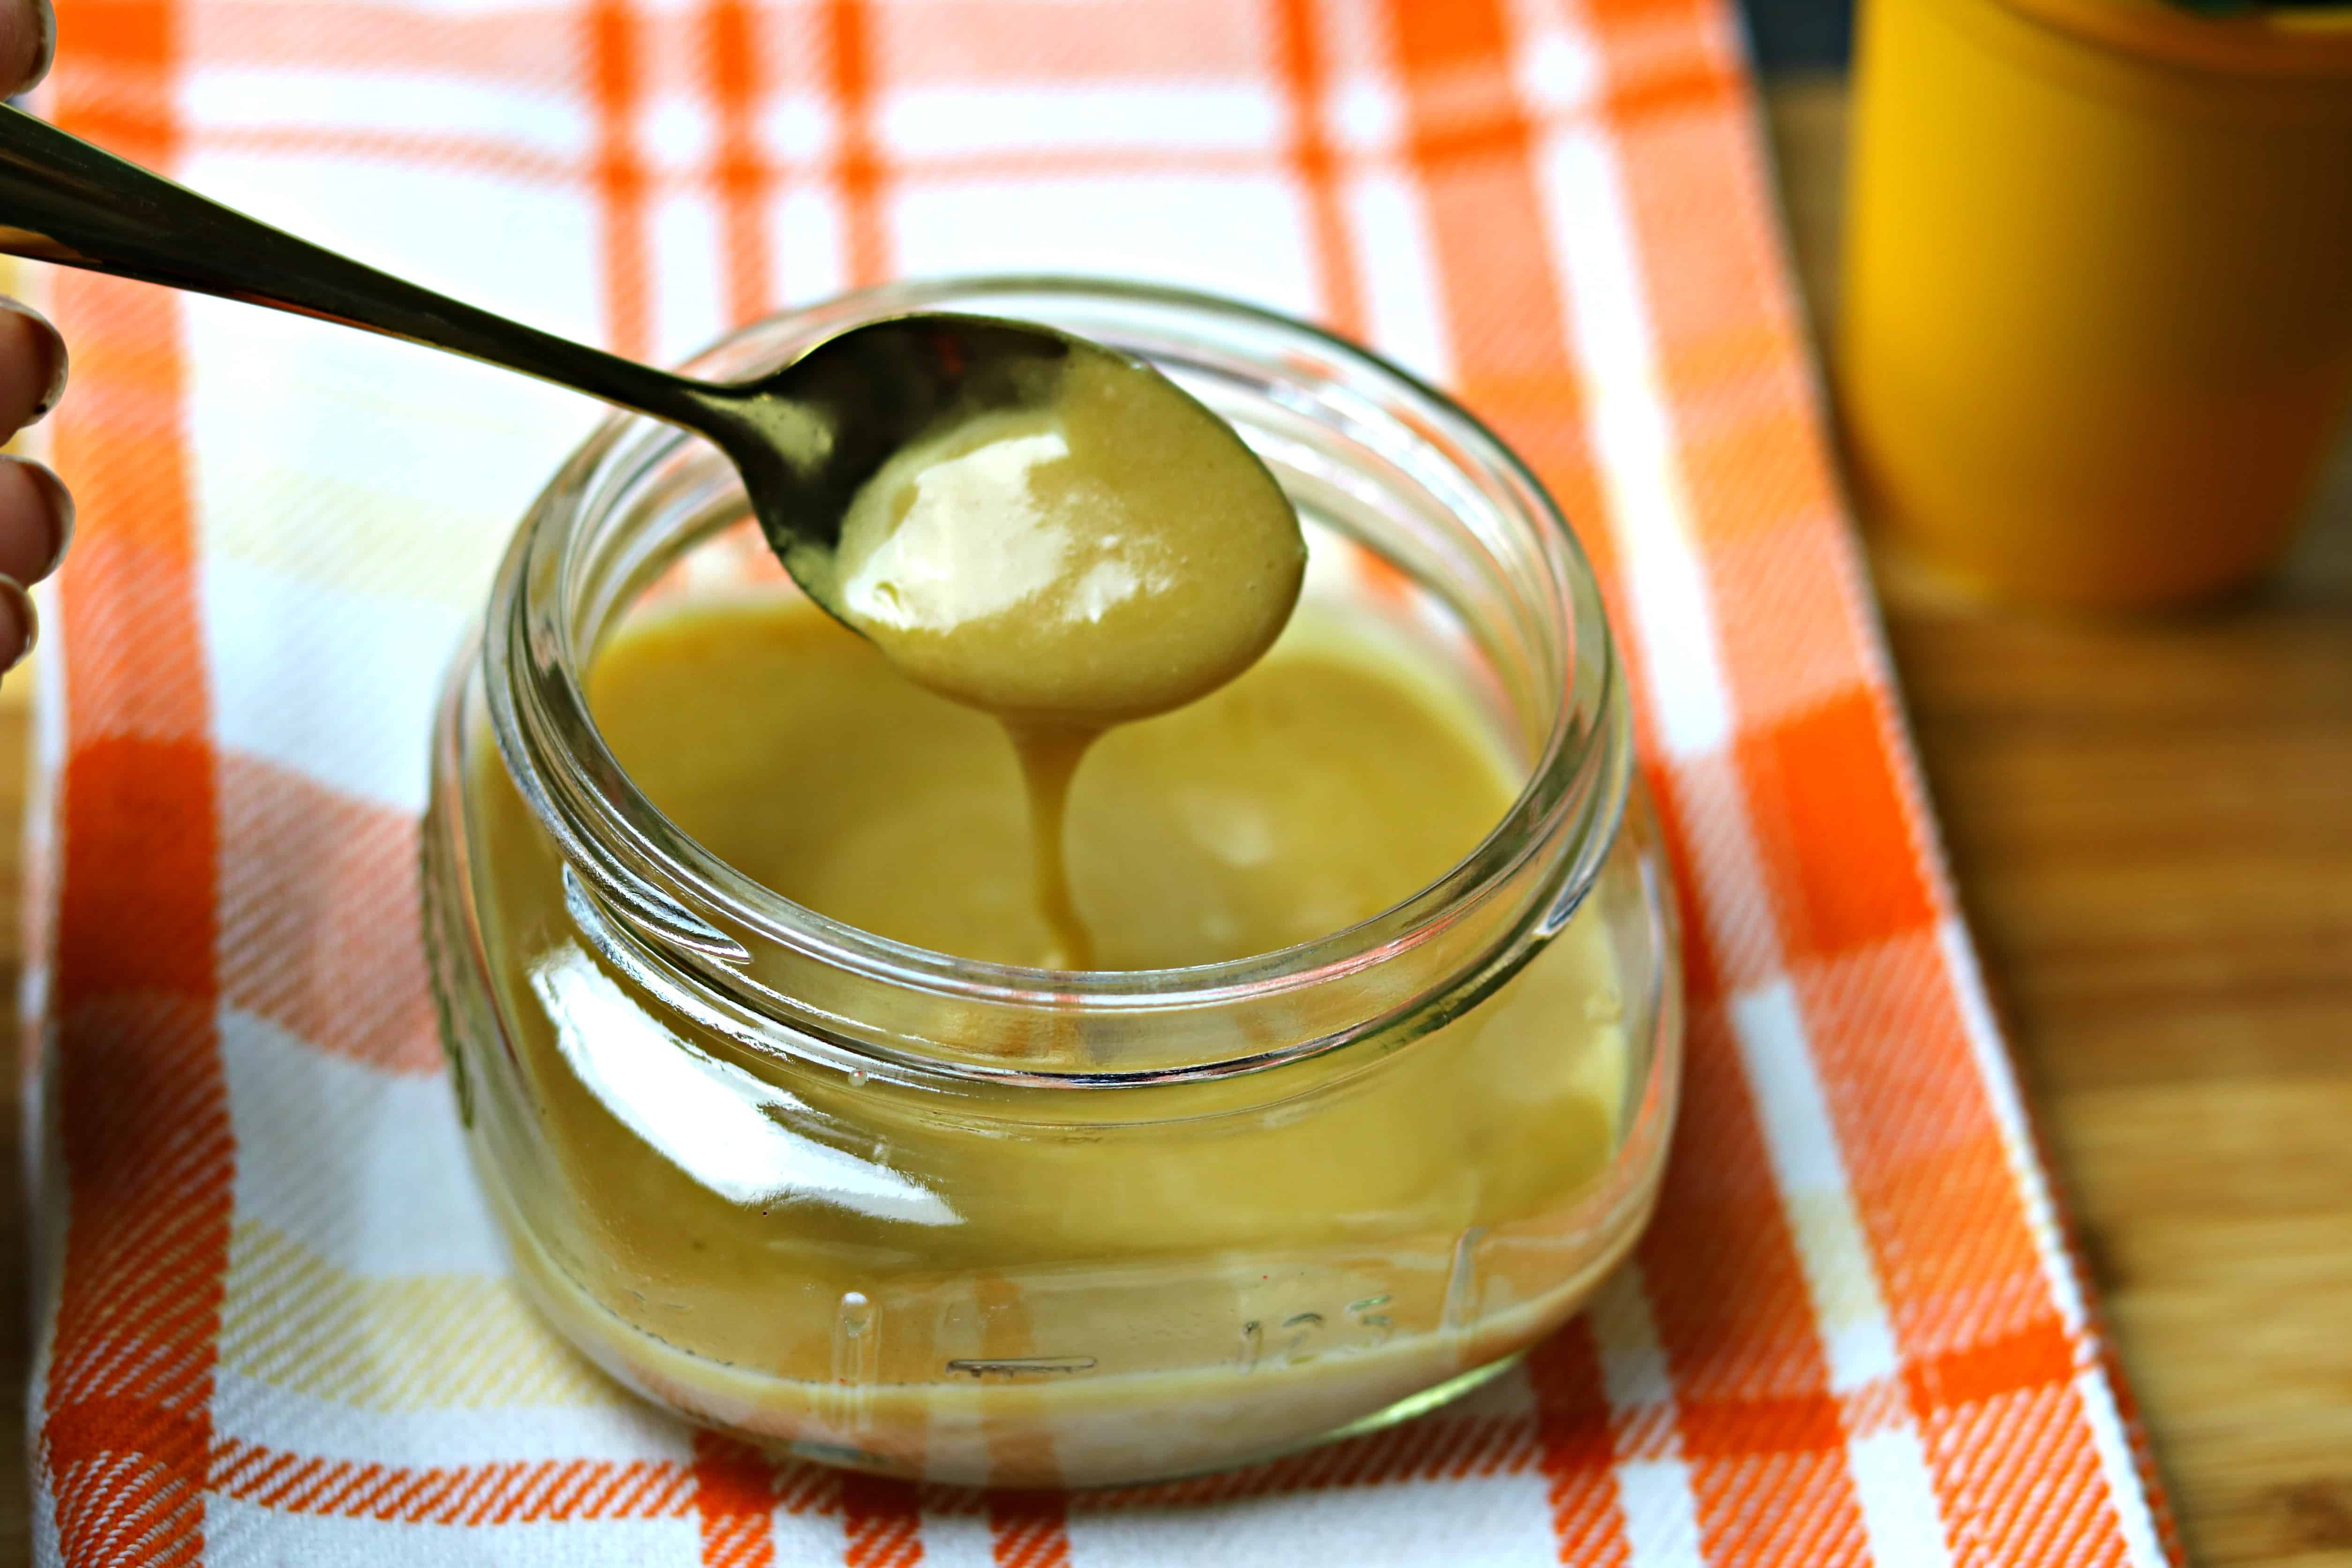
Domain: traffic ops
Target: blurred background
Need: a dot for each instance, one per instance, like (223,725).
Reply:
(2150,814)
(1799,34)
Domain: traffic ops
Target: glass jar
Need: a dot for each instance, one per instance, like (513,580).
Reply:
(1289,1197)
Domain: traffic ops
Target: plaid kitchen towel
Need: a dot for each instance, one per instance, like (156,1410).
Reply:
(273,1326)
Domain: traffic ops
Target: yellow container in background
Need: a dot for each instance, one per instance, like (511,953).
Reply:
(2095,333)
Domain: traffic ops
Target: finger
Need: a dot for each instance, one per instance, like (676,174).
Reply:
(37,518)
(32,362)
(28,42)
(19,627)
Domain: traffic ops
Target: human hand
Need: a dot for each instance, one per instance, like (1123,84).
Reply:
(35,512)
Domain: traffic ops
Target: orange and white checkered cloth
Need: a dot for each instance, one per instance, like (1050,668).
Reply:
(273,1325)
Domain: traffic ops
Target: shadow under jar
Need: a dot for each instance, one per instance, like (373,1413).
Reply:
(824,1190)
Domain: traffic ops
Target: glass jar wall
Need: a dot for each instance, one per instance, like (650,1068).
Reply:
(973,1223)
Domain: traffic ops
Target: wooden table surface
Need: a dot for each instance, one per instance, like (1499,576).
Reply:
(2152,827)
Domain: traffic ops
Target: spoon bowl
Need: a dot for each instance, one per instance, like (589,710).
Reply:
(807,437)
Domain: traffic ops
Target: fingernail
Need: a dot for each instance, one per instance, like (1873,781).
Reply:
(54,352)
(17,605)
(61,509)
(45,18)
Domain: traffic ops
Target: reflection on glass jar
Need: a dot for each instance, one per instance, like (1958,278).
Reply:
(957,1219)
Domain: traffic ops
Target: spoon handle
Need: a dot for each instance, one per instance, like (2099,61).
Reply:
(66,201)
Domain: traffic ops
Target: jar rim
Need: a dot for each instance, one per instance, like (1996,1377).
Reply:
(2312,43)
(661,877)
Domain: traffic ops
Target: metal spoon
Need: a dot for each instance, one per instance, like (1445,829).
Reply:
(804,438)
